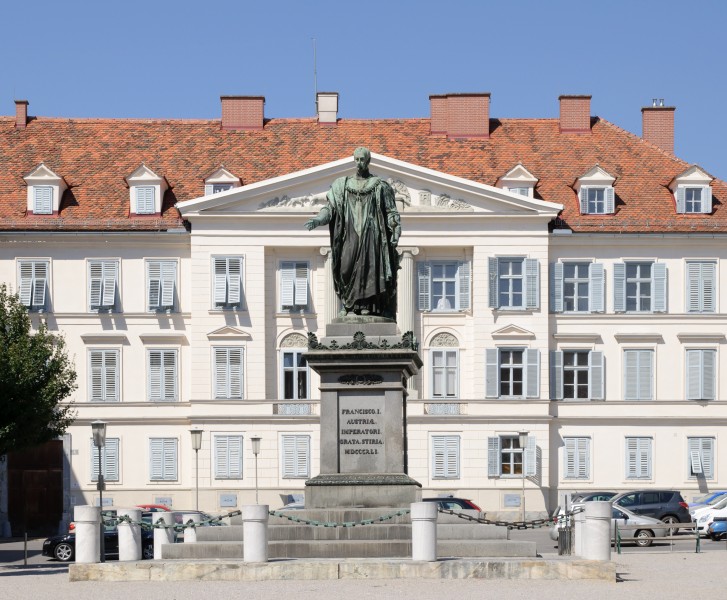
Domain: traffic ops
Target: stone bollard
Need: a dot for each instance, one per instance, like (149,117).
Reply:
(597,531)
(129,534)
(162,535)
(190,533)
(255,532)
(579,523)
(424,531)
(88,530)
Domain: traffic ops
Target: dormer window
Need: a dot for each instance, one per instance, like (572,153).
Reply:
(45,190)
(518,180)
(220,181)
(596,195)
(146,190)
(692,192)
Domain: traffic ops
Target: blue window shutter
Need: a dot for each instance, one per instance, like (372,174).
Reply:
(156,459)
(493,282)
(40,280)
(532,283)
(234,268)
(694,375)
(235,371)
(463,273)
(557,287)
(659,275)
(169,277)
(424,270)
(556,375)
(155,374)
(95,384)
(145,200)
(169,390)
(708,287)
(222,463)
(531,462)
(494,457)
(438,458)
(154,283)
(631,457)
(694,286)
(234,453)
(26,283)
(221,372)
(111,375)
(295,455)
(532,373)
(596,376)
(584,458)
(646,458)
(95,282)
(492,373)
(220,280)
(631,374)
(646,374)
(111,459)
(610,207)
(583,198)
(596,288)
(570,458)
(638,458)
(709,369)
(170,459)
(110,276)
(301,284)
(287,284)
(681,199)
(707,199)
(43,200)
(619,287)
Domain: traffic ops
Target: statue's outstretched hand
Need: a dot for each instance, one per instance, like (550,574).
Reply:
(312,223)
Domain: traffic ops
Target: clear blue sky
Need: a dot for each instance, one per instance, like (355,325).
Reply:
(173,59)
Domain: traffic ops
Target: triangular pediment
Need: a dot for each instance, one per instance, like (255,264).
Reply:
(143,174)
(229,332)
(518,174)
(43,173)
(418,190)
(513,332)
(222,175)
(694,175)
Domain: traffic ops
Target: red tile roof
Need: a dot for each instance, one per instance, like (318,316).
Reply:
(95,155)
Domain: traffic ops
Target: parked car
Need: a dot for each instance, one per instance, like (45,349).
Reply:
(665,505)
(154,507)
(452,503)
(621,517)
(577,499)
(63,547)
(717,529)
(706,515)
(706,500)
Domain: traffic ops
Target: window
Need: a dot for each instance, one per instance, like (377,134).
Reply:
(227,281)
(638,374)
(109,460)
(701,287)
(577,375)
(294,285)
(512,373)
(505,456)
(597,200)
(33,276)
(701,373)
(102,277)
(445,373)
(42,199)
(163,459)
(514,283)
(145,200)
(294,375)
(295,456)
(694,199)
(161,277)
(228,456)
(444,286)
(445,456)
(638,458)
(639,287)
(577,458)
(522,191)
(227,373)
(701,457)
(221,187)
(103,385)
(162,368)
(578,287)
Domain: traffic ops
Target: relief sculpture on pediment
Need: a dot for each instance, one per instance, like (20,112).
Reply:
(295,202)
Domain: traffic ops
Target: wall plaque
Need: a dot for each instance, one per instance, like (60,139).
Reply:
(361,433)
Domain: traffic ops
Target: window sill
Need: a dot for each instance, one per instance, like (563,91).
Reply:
(295,313)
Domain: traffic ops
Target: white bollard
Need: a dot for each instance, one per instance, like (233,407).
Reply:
(129,534)
(88,528)
(579,523)
(190,533)
(255,532)
(162,535)
(597,531)
(424,531)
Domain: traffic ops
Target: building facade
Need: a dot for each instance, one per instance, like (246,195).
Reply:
(562,277)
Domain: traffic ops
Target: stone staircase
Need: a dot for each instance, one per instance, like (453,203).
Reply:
(388,539)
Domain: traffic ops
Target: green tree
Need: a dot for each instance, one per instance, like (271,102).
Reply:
(36,376)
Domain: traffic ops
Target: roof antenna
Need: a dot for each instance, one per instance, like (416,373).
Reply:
(315,74)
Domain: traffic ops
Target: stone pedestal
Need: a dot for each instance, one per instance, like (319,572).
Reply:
(363,363)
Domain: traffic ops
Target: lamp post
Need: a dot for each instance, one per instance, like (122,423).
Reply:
(196,445)
(99,440)
(523,439)
(256,450)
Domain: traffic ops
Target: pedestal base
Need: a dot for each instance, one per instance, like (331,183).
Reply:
(361,490)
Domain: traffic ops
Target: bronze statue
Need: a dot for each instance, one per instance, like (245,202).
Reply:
(365,229)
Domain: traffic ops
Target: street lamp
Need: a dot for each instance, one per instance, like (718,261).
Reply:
(256,450)
(99,440)
(523,438)
(196,445)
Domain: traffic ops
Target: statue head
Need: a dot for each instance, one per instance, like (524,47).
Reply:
(362,157)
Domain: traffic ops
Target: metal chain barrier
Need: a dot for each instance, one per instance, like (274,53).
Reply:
(533,524)
(314,523)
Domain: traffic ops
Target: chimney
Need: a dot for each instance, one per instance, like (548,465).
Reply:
(21,114)
(242,112)
(460,115)
(327,107)
(575,114)
(657,124)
